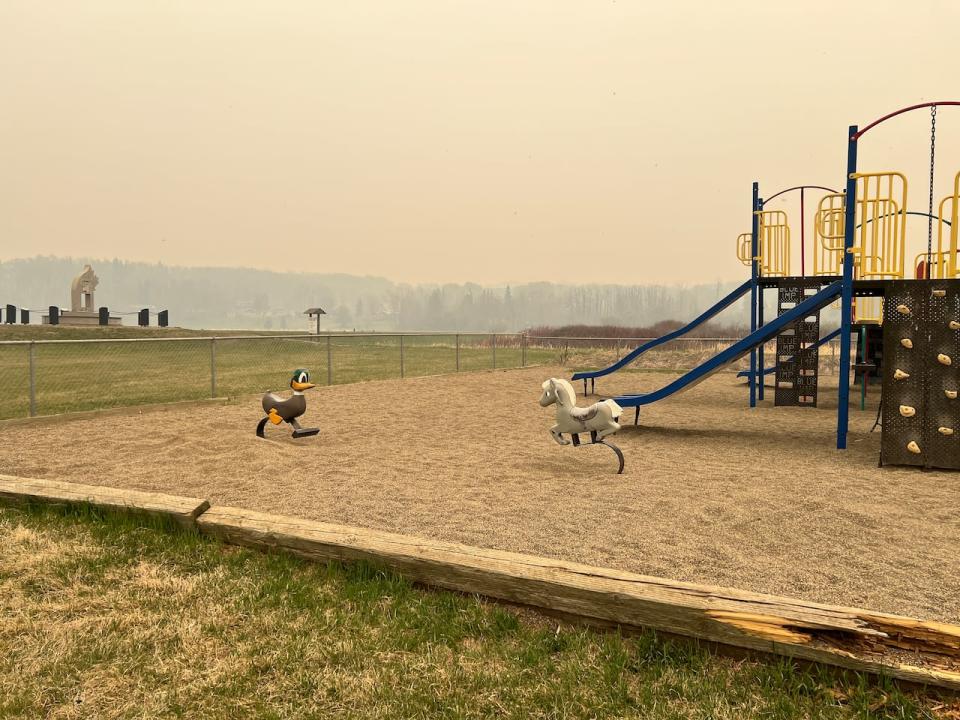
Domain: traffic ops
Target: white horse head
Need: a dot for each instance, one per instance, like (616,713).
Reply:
(558,390)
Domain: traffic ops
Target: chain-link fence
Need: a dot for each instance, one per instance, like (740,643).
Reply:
(675,356)
(55,376)
(58,376)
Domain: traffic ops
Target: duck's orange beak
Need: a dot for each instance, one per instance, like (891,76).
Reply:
(299,386)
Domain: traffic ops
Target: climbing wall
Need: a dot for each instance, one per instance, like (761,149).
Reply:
(797,357)
(921,374)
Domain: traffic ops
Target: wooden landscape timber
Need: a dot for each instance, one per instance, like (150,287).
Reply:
(184,511)
(915,651)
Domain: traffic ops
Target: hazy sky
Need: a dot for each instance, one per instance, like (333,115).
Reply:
(436,140)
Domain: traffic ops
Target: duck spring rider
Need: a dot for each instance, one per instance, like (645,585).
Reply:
(600,419)
(287,410)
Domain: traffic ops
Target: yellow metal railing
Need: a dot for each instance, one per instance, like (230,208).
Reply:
(939,266)
(951,203)
(943,261)
(878,243)
(828,225)
(745,248)
(868,310)
(774,243)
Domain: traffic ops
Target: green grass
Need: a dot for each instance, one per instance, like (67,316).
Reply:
(91,376)
(111,617)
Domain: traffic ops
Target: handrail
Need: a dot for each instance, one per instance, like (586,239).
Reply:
(818,344)
(636,352)
(763,334)
(744,243)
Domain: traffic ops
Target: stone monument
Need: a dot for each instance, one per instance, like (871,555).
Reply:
(82,310)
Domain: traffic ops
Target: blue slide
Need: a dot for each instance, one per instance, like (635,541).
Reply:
(773,368)
(638,351)
(737,350)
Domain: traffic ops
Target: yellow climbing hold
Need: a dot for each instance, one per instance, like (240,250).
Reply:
(913,447)
(907,411)
(951,394)
(944,359)
(945,430)
(900,374)
(954,325)
(939,293)
(903,309)
(907,343)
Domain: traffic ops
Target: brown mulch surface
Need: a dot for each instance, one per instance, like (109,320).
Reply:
(713,491)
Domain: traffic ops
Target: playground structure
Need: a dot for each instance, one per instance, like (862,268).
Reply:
(859,264)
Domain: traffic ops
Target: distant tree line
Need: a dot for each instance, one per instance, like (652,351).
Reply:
(243,298)
(706,330)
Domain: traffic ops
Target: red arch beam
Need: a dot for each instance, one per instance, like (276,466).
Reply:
(856,135)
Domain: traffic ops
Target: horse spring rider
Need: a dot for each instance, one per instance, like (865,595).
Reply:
(600,419)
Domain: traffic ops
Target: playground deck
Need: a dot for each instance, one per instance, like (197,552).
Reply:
(713,491)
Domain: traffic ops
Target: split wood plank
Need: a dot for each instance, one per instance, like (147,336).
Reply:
(904,648)
(183,510)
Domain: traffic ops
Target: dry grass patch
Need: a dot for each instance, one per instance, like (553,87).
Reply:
(109,618)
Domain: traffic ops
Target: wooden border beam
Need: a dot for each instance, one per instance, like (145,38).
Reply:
(182,510)
(916,651)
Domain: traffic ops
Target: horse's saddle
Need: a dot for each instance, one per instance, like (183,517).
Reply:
(585,414)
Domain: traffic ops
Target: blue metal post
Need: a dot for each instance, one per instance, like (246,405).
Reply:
(760,294)
(754,273)
(846,296)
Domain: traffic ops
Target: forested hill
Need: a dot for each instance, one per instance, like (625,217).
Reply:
(243,298)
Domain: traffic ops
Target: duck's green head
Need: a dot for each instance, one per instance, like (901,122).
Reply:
(301,380)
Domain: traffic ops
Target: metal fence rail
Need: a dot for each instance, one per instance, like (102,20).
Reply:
(45,377)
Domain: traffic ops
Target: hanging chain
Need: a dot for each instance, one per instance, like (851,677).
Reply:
(933,157)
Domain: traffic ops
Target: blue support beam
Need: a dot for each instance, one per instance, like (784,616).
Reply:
(760,293)
(846,295)
(773,368)
(754,275)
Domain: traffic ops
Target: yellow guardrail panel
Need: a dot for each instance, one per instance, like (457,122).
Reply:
(773,243)
(943,261)
(954,224)
(828,226)
(881,229)
(744,248)
(868,309)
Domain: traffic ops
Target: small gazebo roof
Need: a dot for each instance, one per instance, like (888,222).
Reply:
(315,311)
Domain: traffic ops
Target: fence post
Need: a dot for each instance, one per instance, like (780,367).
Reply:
(401,357)
(33,379)
(523,350)
(458,352)
(329,362)
(213,367)
(493,345)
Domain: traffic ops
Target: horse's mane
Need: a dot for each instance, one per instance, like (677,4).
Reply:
(566,385)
